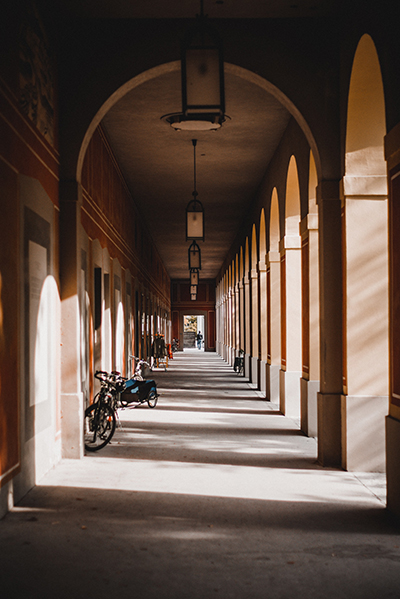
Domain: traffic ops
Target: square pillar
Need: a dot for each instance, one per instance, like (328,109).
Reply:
(330,270)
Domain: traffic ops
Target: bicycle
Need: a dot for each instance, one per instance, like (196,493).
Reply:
(100,416)
(137,389)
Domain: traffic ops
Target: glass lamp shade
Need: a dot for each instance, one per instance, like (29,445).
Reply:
(193,289)
(195,220)
(202,71)
(194,256)
(193,296)
(194,277)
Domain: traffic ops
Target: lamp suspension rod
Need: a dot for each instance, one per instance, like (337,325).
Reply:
(194,142)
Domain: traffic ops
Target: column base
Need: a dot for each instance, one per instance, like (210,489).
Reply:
(289,391)
(263,377)
(393,464)
(72,425)
(363,433)
(232,355)
(329,429)
(254,371)
(308,407)
(247,366)
(273,382)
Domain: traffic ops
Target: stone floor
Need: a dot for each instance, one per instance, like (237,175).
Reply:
(211,494)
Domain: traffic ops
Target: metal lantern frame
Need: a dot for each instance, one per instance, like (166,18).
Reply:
(194,209)
(193,297)
(202,80)
(202,39)
(194,276)
(194,255)
(193,289)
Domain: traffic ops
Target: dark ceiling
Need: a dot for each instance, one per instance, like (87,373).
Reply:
(157,161)
(186,9)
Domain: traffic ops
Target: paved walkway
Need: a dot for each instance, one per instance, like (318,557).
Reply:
(211,494)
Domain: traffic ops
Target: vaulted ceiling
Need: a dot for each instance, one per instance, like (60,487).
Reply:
(157,161)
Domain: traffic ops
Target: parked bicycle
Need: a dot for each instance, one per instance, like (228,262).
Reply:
(116,391)
(100,416)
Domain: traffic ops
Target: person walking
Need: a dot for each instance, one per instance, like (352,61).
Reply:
(199,338)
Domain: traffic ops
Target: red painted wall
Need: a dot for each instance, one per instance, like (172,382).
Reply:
(23,151)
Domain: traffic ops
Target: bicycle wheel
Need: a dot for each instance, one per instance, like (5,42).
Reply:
(99,426)
(152,399)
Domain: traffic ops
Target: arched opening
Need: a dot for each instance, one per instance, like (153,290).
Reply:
(242,310)
(263,304)
(290,247)
(365,267)
(274,302)
(255,323)
(247,308)
(310,308)
(237,303)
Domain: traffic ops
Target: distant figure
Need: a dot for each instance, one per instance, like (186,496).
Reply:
(199,338)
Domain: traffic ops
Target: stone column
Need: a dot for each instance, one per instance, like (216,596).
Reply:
(262,270)
(330,271)
(247,311)
(310,329)
(365,308)
(237,320)
(290,373)
(254,327)
(230,327)
(274,300)
(392,155)
(72,405)
(242,316)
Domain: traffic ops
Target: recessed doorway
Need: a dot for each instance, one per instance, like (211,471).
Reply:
(193,332)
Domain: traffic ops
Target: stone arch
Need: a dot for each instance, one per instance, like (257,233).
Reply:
(254,248)
(292,200)
(263,303)
(312,186)
(274,301)
(255,323)
(274,232)
(291,328)
(366,122)
(310,308)
(263,239)
(365,267)
(169,67)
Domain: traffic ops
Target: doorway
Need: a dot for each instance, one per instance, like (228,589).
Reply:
(193,327)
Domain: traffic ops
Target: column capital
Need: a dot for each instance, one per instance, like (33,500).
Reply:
(308,223)
(370,187)
(262,266)
(290,242)
(273,257)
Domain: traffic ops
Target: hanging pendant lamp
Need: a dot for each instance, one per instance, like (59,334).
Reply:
(194,209)
(194,276)
(194,256)
(202,80)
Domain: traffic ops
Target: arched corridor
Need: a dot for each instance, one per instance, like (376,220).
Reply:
(238,166)
(213,493)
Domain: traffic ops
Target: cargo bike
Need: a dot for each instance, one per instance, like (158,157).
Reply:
(116,392)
